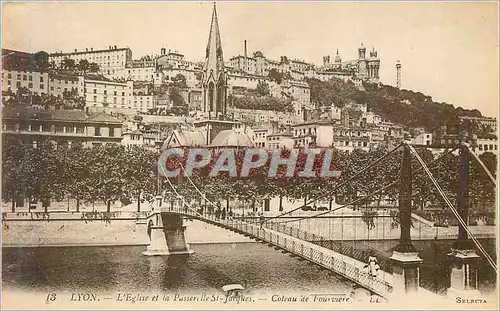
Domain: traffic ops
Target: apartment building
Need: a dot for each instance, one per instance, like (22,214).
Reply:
(110,60)
(63,127)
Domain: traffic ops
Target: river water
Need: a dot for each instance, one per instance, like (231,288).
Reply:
(121,268)
(125,268)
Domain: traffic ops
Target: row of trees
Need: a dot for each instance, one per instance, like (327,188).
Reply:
(83,66)
(111,173)
(39,61)
(260,103)
(101,174)
(24,98)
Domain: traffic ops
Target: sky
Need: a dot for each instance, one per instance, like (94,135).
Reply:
(447,50)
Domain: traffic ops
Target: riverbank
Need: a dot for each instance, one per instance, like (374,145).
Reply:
(36,229)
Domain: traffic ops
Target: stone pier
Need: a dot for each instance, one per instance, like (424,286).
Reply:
(167,233)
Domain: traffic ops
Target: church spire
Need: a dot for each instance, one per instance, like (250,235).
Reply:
(214,80)
(214,56)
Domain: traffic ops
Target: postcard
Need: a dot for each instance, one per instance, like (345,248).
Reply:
(249,155)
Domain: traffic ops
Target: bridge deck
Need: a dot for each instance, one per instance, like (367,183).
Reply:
(345,266)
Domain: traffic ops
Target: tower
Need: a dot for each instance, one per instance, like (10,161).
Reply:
(326,61)
(338,61)
(373,66)
(362,65)
(362,51)
(398,75)
(214,78)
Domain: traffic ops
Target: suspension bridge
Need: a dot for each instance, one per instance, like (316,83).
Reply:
(398,274)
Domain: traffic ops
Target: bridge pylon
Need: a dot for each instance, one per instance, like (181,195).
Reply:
(463,257)
(405,258)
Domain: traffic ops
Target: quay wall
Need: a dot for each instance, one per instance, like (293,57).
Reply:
(26,229)
(30,229)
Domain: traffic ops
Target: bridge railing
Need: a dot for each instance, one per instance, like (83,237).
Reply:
(345,249)
(296,242)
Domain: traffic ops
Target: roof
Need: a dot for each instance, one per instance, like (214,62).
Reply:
(185,139)
(87,52)
(134,132)
(57,115)
(104,118)
(231,138)
(64,76)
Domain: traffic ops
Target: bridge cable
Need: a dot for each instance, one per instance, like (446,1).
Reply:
(183,199)
(482,164)
(341,184)
(454,211)
(377,191)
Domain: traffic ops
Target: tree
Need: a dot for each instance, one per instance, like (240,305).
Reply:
(13,158)
(68,64)
(106,166)
(262,88)
(275,76)
(176,97)
(83,65)
(140,174)
(94,68)
(180,81)
(41,60)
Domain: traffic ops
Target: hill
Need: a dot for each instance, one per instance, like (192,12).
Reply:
(405,107)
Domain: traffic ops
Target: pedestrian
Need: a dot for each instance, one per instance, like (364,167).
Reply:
(217,214)
(372,265)
(262,219)
(224,213)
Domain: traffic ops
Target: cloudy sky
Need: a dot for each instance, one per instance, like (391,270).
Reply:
(448,50)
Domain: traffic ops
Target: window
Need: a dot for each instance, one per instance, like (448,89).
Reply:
(18,76)
(45,128)
(18,84)
(105,99)
(95,91)
(105,92)
(95,98)
(9,75)
(30,85)
(8,82)
(30,78)
(51,88)
(80,129)
(123,93)
(70,129)
(115,93)
(97,131)
(59,128)
(111,131)
(66,81)
(25,77)
(42,86)
(41,79)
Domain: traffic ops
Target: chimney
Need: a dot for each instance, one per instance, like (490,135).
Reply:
(91,49)
(246,58)
(86,49)
(76,51)
(274,127)
(163,51)
(115,47)
(109,47)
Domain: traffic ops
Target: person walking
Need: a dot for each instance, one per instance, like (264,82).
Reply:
(223,213)
(372,265)
(262,219)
